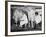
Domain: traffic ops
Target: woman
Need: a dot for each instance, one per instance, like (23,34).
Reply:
(23,20)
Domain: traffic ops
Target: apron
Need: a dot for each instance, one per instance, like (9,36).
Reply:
(23,20)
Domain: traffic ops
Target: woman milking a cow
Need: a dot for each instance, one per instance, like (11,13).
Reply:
(24,18)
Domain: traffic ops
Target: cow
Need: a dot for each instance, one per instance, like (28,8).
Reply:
(21,16)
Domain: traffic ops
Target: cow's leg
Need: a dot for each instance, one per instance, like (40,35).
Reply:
(29,24)
(25,25)
(16,23)
(32,24)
